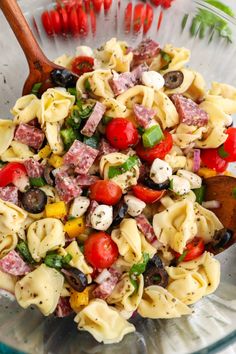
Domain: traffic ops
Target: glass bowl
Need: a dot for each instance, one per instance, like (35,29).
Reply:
(213,325)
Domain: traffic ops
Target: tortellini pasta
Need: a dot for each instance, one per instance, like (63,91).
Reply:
(166,111)
(224,96)
(138,94)
(179,57)
(185,135)
(7,128)
(158,302)
(98,83)
(7,243)
(17,152)
(189,77)
(176,159)
(115,108)
(7,282)
(103,322)
(64,60)
(45,235)
(176,225)
(26,109)
(124,180)
(11,217)
(42,288)
(52,131)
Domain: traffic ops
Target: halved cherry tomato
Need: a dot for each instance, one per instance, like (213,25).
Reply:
(212,159)
(107,4)
(56,21)
(106,192)
(83,22)
(46,21)
(100,250)
(193,249)
(11,173)
(228,150)
(146,194)
(158,151)
(148,18)
(81,65)
(121,133)
(166,3)
(139,17)
(74,22)
(93,21)
(128,17)
(87,5)
(97,5)
(64,20)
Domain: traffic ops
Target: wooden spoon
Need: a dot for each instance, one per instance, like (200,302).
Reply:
(40,67)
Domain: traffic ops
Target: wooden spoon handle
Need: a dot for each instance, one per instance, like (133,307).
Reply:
(23,33)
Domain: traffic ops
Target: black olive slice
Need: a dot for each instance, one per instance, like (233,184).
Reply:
(156,186)
(63,78)
(156,276)
(47,173)
(34,200)
(119,213)
(173,79)
(221,238)
(75,278)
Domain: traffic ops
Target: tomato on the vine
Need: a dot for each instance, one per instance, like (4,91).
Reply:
(193,250)
(83,22)
(97,5)
(107,4)
(146,194)
(56,21)
(121,133)
(64,20)
(81,65)
(46,21)
(105,192)
(228,150)
(74,22)
(211,159)
(148,18)
(128,17)
(139,17)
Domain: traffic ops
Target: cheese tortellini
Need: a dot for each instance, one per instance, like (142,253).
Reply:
(184,135)
(7,282)
(166,111)
(11,217)
(98,81)
(42,288)
(224,96)
(26,109)
(179,57)
(52,132)
(7,128)
(17,152)
(138,94)
(7,243)
(45,235)
(103,322)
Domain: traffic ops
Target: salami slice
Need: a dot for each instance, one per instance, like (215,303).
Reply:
(34,169)
(66,187)
(29,135)
(81,156)
(13,264)
(105,148)
(105,289)
(143,115)
(145,227)
(93,205)
(9,194)
(145,52)
(190,113)
(94,119)
(63,308)
(86,180)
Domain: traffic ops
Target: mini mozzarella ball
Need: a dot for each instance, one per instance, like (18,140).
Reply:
(194,180)
(153,79)
(79,206)
(84,51)
(160,171)
(229,120)
(180,185)
(135,205)
(102,217)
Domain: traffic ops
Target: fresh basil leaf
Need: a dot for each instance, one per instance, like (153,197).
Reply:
(184,21)
(200,194)
(120,169)
(219,5)
(140,268)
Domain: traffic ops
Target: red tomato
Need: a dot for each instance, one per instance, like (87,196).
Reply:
(229,148)
(64,20)
(74,22)
(160,19)
(11,173)
(139,17)
(194,249)
(121,133)
(87,5)
(128,17)
(158,151)
(212,159)
(83,22)
(97,5)
(146,194)
(93,21)
(166,3)
(56,21)
(107,4)
(148,18)
(100,250)
(106,192)
(46,21)
(81,65)
(156,2)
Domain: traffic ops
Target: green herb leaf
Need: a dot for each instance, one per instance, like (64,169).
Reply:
(37,181)
(66,259)
(86,112)
(72,91)
(171,186)
(23,249)
(152,136)
(87,85)
(234,192)
(165,56)
(200,194)
(138,269)
(184,21)
(222,152)
(36,87)
(54,260)
(126,166)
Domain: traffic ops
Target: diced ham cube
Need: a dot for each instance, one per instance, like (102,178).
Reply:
(66,187)
(145,227)
(145,52)
(29,135)
(9,194)
(81,156)
(63,308)
(86,180)
(93,205)
(34,168)
(94,119)
(143,115)
(105,289)
(13,264)
(190,113)
(105,148)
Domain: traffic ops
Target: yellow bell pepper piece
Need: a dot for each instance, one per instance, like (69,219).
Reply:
(79,299)
(56,210)
(56,161)
(44,152)
(75,227)
(206,172)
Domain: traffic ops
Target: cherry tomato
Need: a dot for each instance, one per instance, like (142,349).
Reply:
(81,65)
(46,21)
(194,249)
(74,22)
(148,18)
(212,159)
(160,19)
(158,151)
(97,5)
(107,4)
(128,17)
(87,5)
(121,133)
(139,17)
(228,151)
(93,21)
(100,250)
(146,194)
(156,2)
(11,173)
(166,3)
(64,20)
(105,192)
(56,21)
(83,22)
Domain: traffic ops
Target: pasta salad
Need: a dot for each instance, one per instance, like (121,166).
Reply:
(102,211)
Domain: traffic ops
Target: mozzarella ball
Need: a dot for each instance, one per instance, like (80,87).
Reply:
(135,205)
(160,171)
(194,180)
(102,217)
(84,51)
(79,206)
(153,79)
(180,185)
